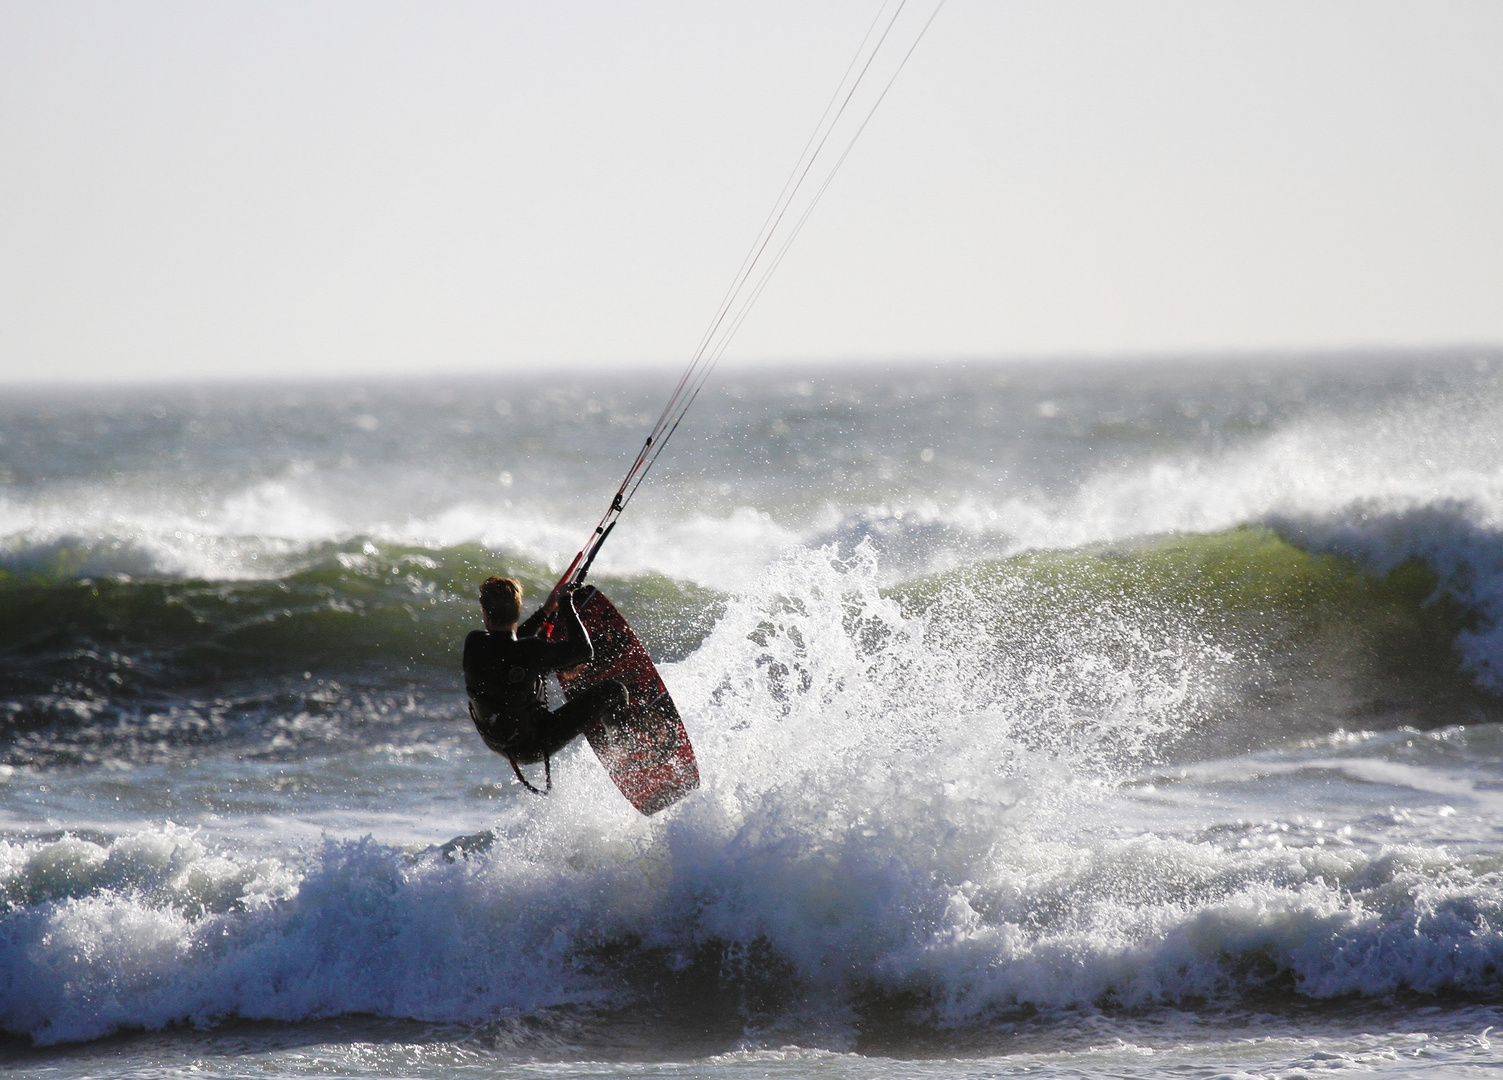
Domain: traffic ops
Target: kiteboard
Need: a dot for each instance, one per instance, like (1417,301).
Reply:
(644,748)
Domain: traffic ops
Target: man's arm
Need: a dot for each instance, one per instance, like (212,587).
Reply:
(471,662)
(534,622)
(540,655)
(577,649)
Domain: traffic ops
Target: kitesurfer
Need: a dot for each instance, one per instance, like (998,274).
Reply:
(505,666)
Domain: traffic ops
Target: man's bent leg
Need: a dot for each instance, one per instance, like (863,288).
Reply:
(563,725)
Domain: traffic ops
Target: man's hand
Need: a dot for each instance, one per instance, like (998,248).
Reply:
(562,589)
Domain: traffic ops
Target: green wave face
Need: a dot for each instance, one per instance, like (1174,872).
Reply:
(387,618)
(1276,641)
(1297,643)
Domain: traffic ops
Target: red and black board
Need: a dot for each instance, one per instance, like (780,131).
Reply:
(646,750)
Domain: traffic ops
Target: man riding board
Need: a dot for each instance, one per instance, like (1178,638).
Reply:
(505,666)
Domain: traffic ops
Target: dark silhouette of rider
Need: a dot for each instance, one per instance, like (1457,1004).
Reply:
(504,671)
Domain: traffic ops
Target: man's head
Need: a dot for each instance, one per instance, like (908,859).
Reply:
(501,600)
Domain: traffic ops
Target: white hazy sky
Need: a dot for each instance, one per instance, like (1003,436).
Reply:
(230,189)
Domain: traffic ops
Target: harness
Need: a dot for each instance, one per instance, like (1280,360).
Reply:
(547,775)
(522,693)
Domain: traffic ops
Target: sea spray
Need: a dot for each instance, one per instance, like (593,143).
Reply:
(800,700)
(852,835)
(1124,720)
(1461,543)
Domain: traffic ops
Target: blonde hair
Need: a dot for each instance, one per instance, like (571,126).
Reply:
(501,599)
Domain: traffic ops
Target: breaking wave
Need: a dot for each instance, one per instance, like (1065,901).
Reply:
(964,703)
(912,814)
(1308,627)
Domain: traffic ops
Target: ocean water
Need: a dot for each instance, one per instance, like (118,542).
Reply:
(1137,719)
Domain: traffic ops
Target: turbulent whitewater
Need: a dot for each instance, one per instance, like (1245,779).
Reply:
(1071,719)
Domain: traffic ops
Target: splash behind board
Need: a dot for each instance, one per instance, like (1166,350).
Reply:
(647,753)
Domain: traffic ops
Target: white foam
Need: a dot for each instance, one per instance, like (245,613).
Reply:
(1437,453)
(889,803)
(254,532)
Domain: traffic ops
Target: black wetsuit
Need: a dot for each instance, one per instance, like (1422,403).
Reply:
(504,677)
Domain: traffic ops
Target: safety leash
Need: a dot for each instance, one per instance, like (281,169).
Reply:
(547,775)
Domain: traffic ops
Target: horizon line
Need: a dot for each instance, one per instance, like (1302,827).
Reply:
(1082,357)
